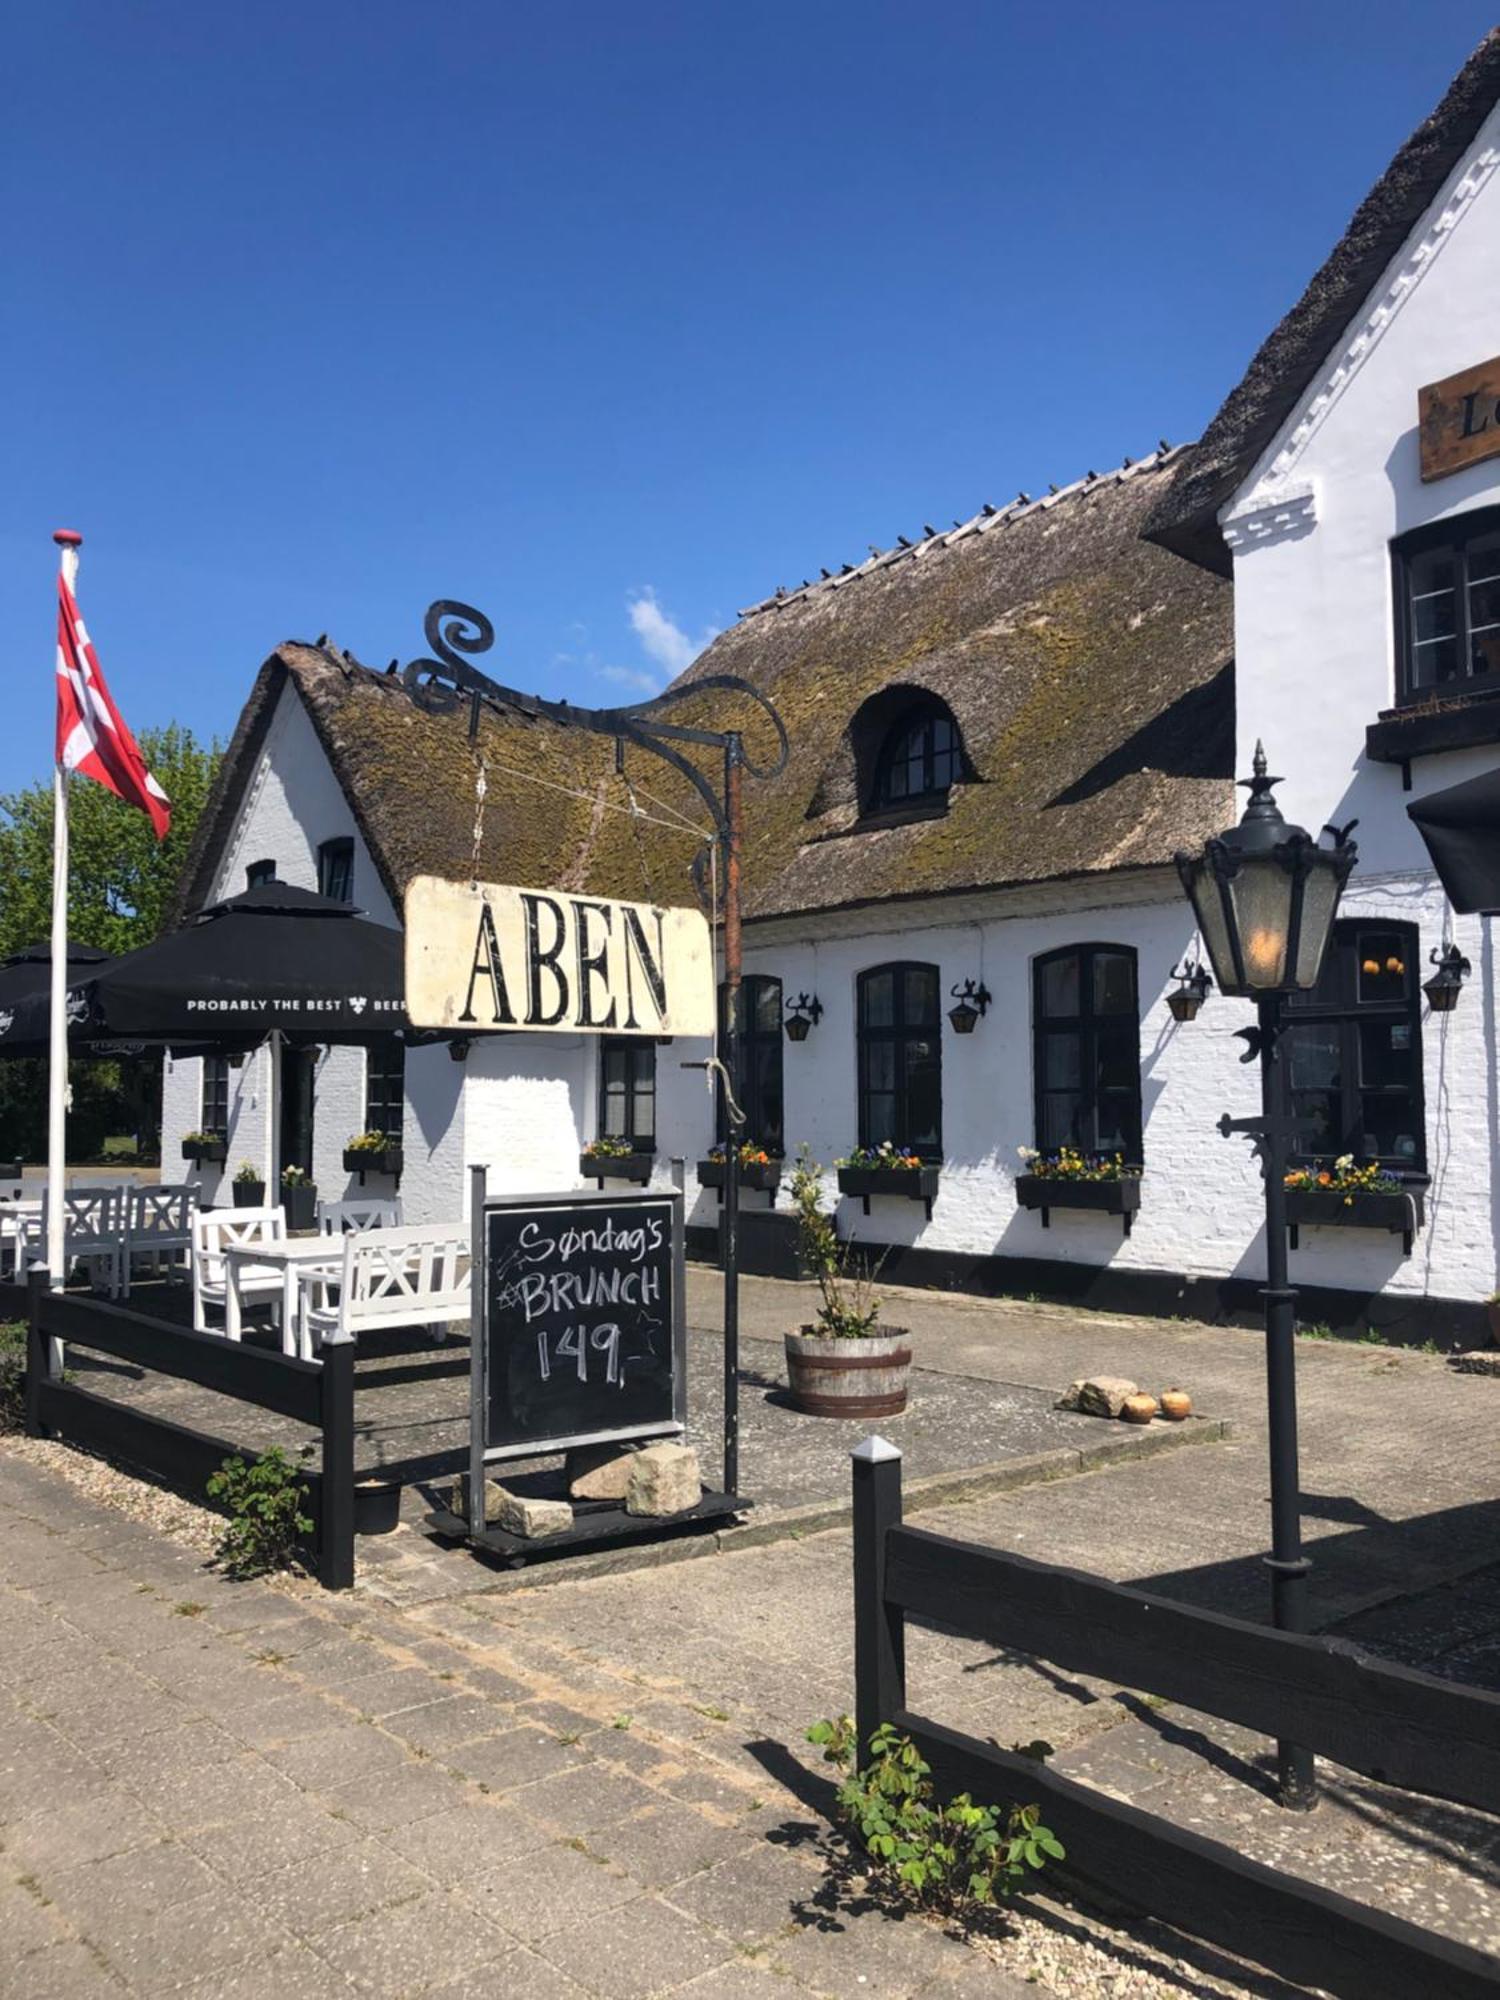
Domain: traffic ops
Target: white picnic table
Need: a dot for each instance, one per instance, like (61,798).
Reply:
(295,1255)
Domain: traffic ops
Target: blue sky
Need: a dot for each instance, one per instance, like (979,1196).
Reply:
(611,318)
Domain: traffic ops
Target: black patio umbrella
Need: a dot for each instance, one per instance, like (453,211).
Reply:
(1461,829)
(275,959)
(26,976)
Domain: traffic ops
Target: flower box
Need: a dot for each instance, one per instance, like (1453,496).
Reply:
(364,1160)
(763,1179)
(1120,1197)
(602,1167)
(1401,1211)
(206,1151)
(911,1183)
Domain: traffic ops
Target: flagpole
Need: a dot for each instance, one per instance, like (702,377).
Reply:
(58,1094)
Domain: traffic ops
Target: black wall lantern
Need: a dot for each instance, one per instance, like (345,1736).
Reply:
(1447,982)
(458,1049)
(801,1014)
(1191,992)
(973,1003)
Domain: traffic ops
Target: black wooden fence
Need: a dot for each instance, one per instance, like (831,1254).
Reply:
(1394,1725)
(319,1394)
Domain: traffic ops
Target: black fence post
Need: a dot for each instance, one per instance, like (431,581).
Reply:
(38,1350)
(879,1628)
(336,1488)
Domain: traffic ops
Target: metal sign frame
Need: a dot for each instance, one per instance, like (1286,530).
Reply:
(481,1207)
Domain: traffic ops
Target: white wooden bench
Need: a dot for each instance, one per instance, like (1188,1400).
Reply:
(375,1211)
(93,1233)
(412,1276)
(158,1223)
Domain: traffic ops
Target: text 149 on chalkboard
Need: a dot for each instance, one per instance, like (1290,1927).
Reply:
(583,1321)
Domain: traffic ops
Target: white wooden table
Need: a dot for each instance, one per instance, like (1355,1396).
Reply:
(298,1253)
(20,1223)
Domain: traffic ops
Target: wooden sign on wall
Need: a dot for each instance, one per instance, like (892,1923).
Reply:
(1458,421)
(482,956)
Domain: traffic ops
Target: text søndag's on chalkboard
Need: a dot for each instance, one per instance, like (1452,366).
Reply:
(580,1320)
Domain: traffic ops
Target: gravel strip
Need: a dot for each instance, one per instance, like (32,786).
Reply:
(126,1492)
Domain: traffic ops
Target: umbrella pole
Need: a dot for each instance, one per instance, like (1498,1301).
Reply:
(273,1111)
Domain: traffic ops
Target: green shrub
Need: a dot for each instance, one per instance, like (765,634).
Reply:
(942,1857)
(264,1500)
(12,1374)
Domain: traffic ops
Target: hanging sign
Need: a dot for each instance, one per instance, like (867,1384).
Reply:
(482,956)
(582,1338)
(1458,421)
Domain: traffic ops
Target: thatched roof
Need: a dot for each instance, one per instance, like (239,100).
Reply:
(1089,674)
(1185,517)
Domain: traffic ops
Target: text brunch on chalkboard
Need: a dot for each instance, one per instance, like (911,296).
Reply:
(482,956)
(582,1318)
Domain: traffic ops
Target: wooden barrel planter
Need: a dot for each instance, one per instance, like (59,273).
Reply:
(849,1378)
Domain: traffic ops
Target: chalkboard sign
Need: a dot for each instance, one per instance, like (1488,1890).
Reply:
(583,1334)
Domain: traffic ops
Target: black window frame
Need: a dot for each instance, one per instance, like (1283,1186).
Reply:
(760,1046)
(1336,1001)
(920,719)
(638,1057)
(258,874)
(901,1032)
(213,1096)
(1455,535)
(1087,1024)
(332,855)
(385,1087)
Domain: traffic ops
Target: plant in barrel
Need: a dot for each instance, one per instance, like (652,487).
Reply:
(843,1364)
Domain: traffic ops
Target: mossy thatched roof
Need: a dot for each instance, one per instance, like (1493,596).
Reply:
(1089,674)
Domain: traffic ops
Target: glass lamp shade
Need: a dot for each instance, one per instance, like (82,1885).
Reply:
(964,1017)
(1265,895)
(797,1026)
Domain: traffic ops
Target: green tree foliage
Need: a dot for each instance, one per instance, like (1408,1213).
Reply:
(120,882)
(120,878)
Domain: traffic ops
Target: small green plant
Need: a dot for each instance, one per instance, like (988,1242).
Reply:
(850,1310)
(189,1608)
(1314,1329)
(247,1174)
(293,1177)
(265,1501)
(944,1857)
(622,1722)
(12,1374)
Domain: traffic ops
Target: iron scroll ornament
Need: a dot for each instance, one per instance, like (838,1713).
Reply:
(453,630)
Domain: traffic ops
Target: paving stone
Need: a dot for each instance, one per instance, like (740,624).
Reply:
(468,1840)
(297,1831)
(582,1800)
(156,1949)
(89,1830)
(441,1726)
(541,1891)
(749,1897)
(28,1921)
(667,1844)
(336,1756)
(383,1800)
(392,1691)
(514,1757)
(193,1796)
(140,1882)
(194,1746)
(284,1719)
(408,1947)
(68,1971)
(520,1975)
(294,1972)
(347,1882)
(645,1948)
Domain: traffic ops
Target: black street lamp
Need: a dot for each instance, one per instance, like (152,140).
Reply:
(1265,894)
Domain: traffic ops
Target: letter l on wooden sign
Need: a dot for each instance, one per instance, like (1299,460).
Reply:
(482,956)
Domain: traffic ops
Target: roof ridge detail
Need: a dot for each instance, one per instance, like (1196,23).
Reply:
(985,522)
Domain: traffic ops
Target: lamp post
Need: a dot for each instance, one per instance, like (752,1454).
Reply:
(1265,894)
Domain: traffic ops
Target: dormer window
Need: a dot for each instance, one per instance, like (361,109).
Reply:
(921,758)
(336,870)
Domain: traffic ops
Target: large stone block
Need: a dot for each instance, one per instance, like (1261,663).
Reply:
(599,1471)
(513,1512)
(1097,1395)
(664,1479)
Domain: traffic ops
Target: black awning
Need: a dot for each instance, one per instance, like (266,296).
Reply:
(1461,828)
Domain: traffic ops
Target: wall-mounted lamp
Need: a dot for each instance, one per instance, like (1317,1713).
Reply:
(973,1004)
(458,1049)
(1447,982)
(801,1016)
(1192,992)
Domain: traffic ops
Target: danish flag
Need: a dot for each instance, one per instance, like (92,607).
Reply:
(91,733)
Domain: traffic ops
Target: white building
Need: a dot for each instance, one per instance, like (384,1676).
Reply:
(1000,735)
